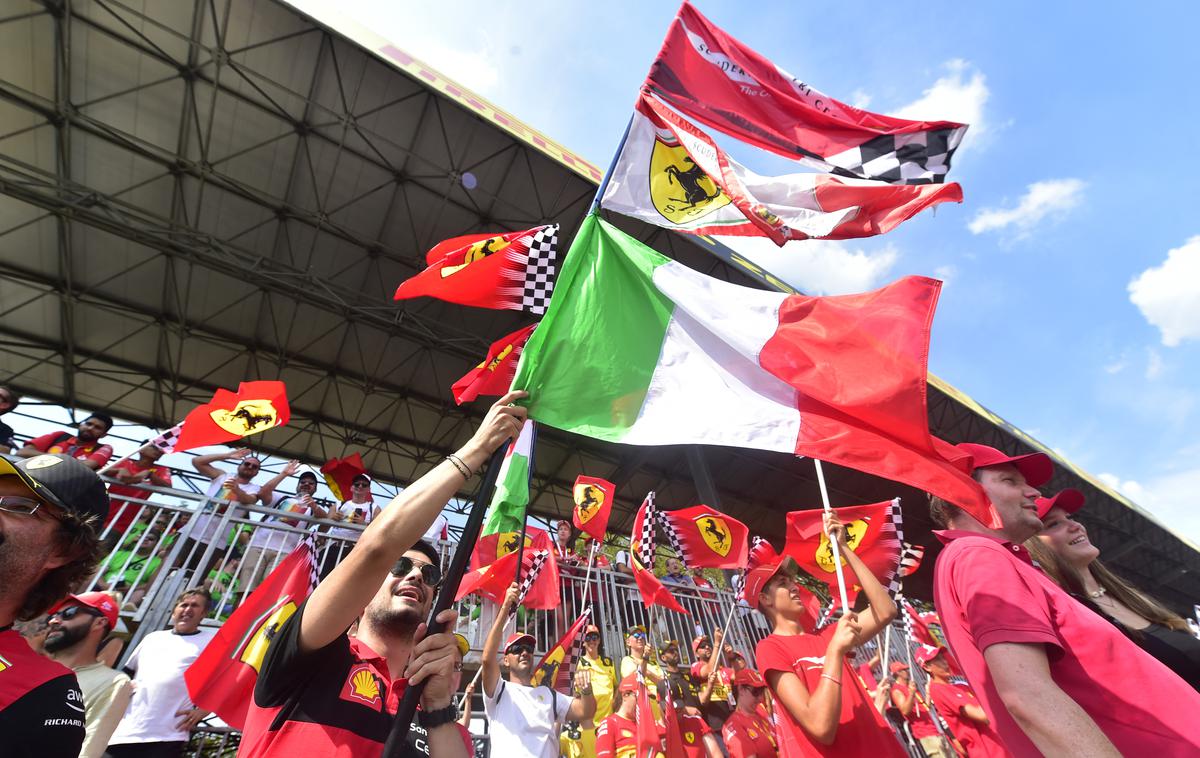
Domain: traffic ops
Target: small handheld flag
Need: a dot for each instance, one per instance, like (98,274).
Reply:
(495,373)
(254,408)
(593,505)
(706,538)
(340,472)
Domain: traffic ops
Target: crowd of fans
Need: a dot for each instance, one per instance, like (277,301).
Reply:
(1060,656)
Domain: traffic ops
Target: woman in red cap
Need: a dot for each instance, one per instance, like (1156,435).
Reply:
(747,733)
(1065,553)
(915,710)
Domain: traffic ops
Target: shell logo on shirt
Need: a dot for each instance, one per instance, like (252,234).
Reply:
(362,687)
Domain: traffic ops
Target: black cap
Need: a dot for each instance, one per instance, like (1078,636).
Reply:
(61,481)
(308,475)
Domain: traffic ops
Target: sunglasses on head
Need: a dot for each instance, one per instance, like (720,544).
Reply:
(430,574)
(72,611)
(522,649)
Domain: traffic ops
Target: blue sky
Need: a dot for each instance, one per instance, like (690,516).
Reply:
(1072,297)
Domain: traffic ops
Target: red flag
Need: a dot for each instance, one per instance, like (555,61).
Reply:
(910,559)
(710,76)
(641,539)
(509,271)
(593,505)
(561,658)
(222,678)
(494,564)
(495,373)
(255,407)
(653,591)
(706,538)
(870,532)
(340,472)
(674,736)
(649,736)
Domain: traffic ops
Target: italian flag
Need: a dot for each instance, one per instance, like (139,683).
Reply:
(507,510)
(638,349)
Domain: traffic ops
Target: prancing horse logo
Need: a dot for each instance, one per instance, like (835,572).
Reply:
(681,191)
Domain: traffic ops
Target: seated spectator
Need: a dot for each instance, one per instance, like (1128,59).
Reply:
(915,711)
(224,488)
(161,715)
(677,574)
(747,733)
(8,400)
(269,545)
(958,707)
(76,630)
(84,445)
(1051,674)
(821,707)
(130,569)
(524,720)
(616,736)
(49,507)
(359,509)
(143,469)
(1062,549)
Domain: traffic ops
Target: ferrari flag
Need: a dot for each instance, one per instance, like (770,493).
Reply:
(635,342)
(340,472)
(494,374)
(710,76)
(222,678)
(561,658)
(255,407)
(513,271)
(706,538)
(494,567)
(870,533)
(672,174)
(593,505)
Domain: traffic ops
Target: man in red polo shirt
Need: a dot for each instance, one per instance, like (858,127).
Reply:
(323,693)
(83,446)
(143,469)
(821,707)
(1054,678)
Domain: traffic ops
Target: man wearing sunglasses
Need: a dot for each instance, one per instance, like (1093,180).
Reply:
(77,627)
(223,487)
(321,692)
(49,508)
(747,732)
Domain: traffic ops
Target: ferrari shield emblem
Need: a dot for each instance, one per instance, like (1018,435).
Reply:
(589,500)
(855,531)
(264,632)
(477,252)
(509,542)
(680,190)
(715,533)
(248,417)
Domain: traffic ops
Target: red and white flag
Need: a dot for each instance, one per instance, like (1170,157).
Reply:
(708,75)
(870,532)
(706,538)
(495,373)
(509,271)
(494,568)
(672,174)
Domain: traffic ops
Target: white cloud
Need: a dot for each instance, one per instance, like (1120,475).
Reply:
(960,96)
(1049,198)
(1168,295)
(820,267)
(1154,364)
(1117,366)
(859,98)
(1127,487)
(1170,497)
(945,273)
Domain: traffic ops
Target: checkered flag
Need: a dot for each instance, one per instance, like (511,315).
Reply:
(645,536)
(166,441)
(539,560)
(914,158)
(539,270)
(895,524)
(308,543)
(910,559)
(673,536)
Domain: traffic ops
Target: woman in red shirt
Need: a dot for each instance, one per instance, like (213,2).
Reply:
(747,734)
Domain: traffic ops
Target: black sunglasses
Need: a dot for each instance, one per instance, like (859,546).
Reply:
(520,649)
(591,637)
(430,574)
(70,612)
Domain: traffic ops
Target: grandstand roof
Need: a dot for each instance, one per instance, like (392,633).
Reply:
(188,200)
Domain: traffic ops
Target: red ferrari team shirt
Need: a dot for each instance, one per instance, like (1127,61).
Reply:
(861,730)
(949,700)
(61,442)
(749,734)
(988,591)
(616,737)
(41,705)
(121,517)
(919,720)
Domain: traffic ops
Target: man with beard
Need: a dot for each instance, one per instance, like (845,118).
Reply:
(77,627)
(678,685)
(321,692)
(160,714)
(84,446)
(274,539)
(525,720)
(49,508)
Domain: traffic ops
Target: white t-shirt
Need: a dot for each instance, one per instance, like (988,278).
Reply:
(353,513)
(271,535)
(159,690)
(209,522)
(439,530)
(523,721)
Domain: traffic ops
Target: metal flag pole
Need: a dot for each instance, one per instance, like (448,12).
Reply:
(613,164)
(587,577)
(833,544)
(728,624)
(397,737)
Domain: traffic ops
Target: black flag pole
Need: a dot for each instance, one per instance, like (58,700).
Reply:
(396,741)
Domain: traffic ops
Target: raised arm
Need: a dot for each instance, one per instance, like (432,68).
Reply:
(882,609)
(338,600)
(817,712)
(204,463)
(583,707)
(491,645)
(268,490)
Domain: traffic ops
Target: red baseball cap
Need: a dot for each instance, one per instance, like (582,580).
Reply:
(700,640)
(748,678)
(926,653)
(517,638)
(629,683)
(895,666)
(100,601)
(1070,500)
(1037,468)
